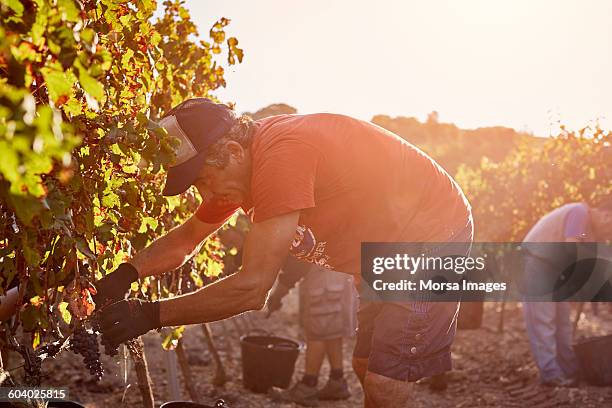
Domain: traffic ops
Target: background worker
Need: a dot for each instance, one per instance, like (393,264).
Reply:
(328,307)
(548,323)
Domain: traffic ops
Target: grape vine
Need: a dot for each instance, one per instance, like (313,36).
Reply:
(82,84)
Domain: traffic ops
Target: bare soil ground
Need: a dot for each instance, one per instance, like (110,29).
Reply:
(492,369)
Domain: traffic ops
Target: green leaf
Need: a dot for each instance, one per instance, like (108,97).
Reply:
(127,56)
(148,5)
(111,199)
(25,52)
(16,6)
(90,84)
(36,339)
(197,279)
(26,207)
(148,222)
(63,308)
(29,317)
(171,340)
(59,83)
(83,248)
(213,268)
(155,39)
(39,27)
(69,10)
(38,289)
(31,256)
(88,35)
(73,107)
(106,57)
(125,20)
(10,162)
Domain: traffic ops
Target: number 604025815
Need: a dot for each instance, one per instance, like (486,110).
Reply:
(25,393)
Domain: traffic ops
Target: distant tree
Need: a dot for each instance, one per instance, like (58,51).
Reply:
(271,110)
(510,196)
(433,117)
(452,146)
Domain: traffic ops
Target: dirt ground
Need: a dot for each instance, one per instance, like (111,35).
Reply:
(491,369)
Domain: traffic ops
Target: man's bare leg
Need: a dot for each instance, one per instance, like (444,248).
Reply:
(315,353)
(333,348)
(385,392)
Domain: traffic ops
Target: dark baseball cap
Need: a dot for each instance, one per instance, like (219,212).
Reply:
(197,123)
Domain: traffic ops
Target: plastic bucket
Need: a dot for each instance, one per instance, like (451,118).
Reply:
(595,359)
(267,361)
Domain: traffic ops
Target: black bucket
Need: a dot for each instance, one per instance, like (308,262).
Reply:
(595,358)
(189,404)
(267,361)
(64,404)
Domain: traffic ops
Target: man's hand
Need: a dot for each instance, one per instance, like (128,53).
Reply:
(127,319)
(115,285)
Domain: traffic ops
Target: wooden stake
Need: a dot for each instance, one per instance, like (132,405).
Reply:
(137,353)
(500,324)
(220,376)
(186,371)
(226,336)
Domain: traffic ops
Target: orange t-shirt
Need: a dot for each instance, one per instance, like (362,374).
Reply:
(353,182)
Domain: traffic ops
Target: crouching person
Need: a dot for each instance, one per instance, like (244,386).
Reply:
(328,305)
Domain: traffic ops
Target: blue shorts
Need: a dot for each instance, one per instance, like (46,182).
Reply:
(403,344)
(412,340)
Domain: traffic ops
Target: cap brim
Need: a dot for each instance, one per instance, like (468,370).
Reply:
(181,177)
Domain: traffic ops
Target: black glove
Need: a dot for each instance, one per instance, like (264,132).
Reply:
(115,285)
(127,319)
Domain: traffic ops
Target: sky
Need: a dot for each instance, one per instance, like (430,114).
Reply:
(526,64)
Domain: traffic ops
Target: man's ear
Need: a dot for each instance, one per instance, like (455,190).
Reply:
(236,150)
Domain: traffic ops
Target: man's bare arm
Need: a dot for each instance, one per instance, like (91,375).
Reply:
(265,250)
(173,249)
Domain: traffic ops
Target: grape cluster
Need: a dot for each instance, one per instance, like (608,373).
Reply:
(85,343)
(50,350)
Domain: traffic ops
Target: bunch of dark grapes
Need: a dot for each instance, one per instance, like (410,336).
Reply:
(85,343)
(50,350)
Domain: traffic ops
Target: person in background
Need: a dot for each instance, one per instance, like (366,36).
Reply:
(548,323)
(328,313)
